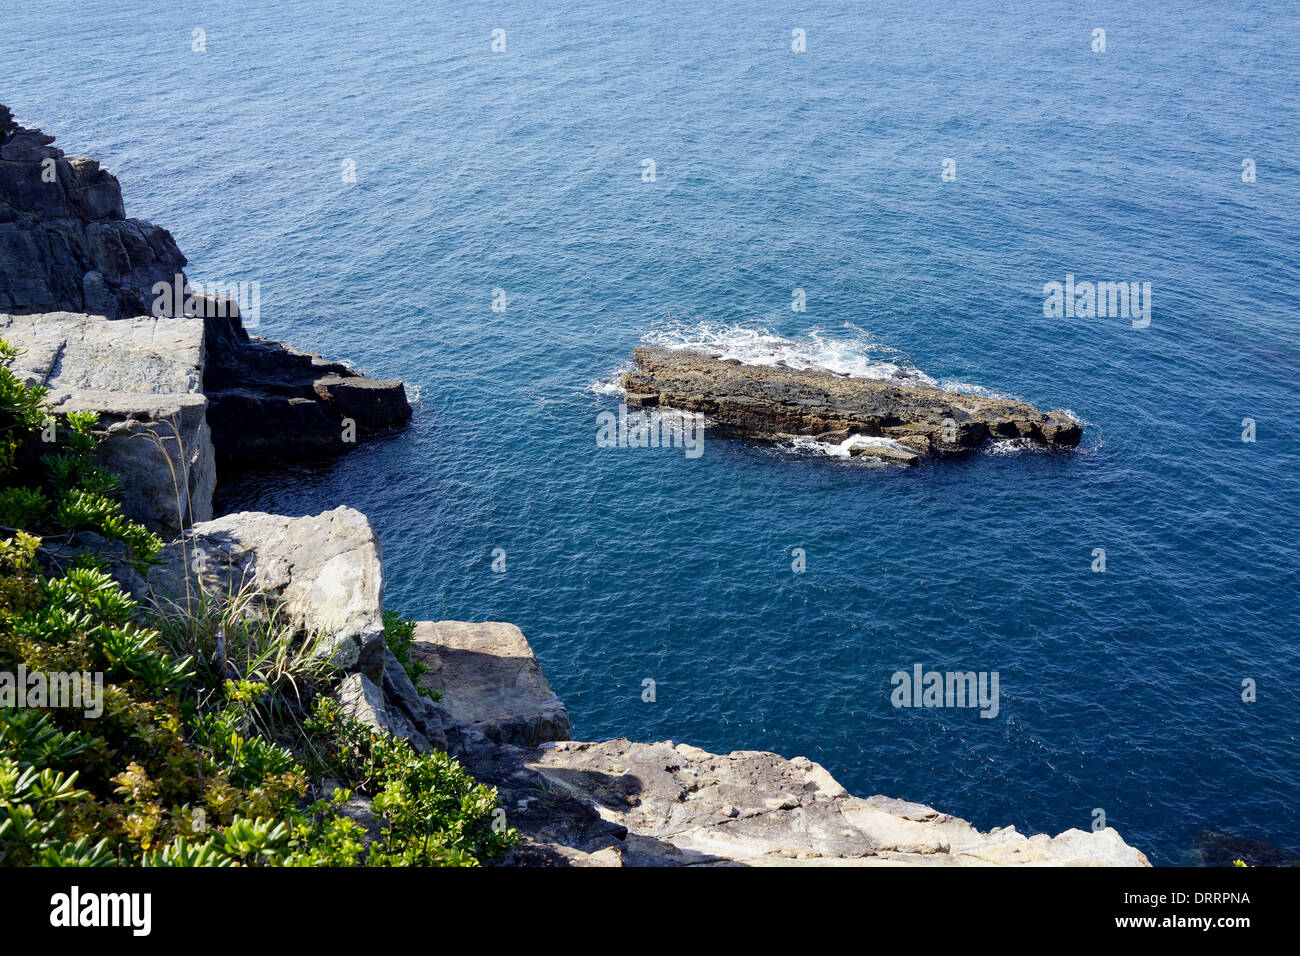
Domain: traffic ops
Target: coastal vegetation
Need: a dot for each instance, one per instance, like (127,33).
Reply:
(213,739)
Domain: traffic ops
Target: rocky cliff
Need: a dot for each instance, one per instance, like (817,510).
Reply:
(612,803)
(68,253)
(65,242)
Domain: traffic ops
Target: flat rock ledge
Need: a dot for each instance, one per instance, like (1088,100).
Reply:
(775,403)
(143,377)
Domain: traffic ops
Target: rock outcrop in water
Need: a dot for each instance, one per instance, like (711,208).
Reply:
(70,257)
(773,403)
(270,402)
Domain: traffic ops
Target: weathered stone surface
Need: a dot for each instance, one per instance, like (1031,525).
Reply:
(773,402)
(361,699)
(324,570)
(490,680)
(324,574)
(142,376)
(429,722)
(620,803)
(684,806)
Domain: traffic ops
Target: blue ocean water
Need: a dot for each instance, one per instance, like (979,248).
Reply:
(776,170)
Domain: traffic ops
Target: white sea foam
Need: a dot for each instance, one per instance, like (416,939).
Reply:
(968,388)
(1013,446)
(811,446)
(848,351)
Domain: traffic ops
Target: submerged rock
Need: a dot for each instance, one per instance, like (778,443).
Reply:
(897,455)
(1215,848)
(774,403)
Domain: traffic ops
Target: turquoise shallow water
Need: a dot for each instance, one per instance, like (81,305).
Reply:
(775,170)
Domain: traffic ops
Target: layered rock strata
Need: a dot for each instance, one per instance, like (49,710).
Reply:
(270,402)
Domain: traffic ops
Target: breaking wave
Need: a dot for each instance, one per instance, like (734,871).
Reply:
(851,351)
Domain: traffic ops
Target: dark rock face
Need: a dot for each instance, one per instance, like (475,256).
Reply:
(66,246)
(766,402)
(65,242)
(269,402)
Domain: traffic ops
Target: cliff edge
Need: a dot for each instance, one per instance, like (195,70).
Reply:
(180,391)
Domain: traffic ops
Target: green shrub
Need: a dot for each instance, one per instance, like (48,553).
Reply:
(215,731)
(434,812)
